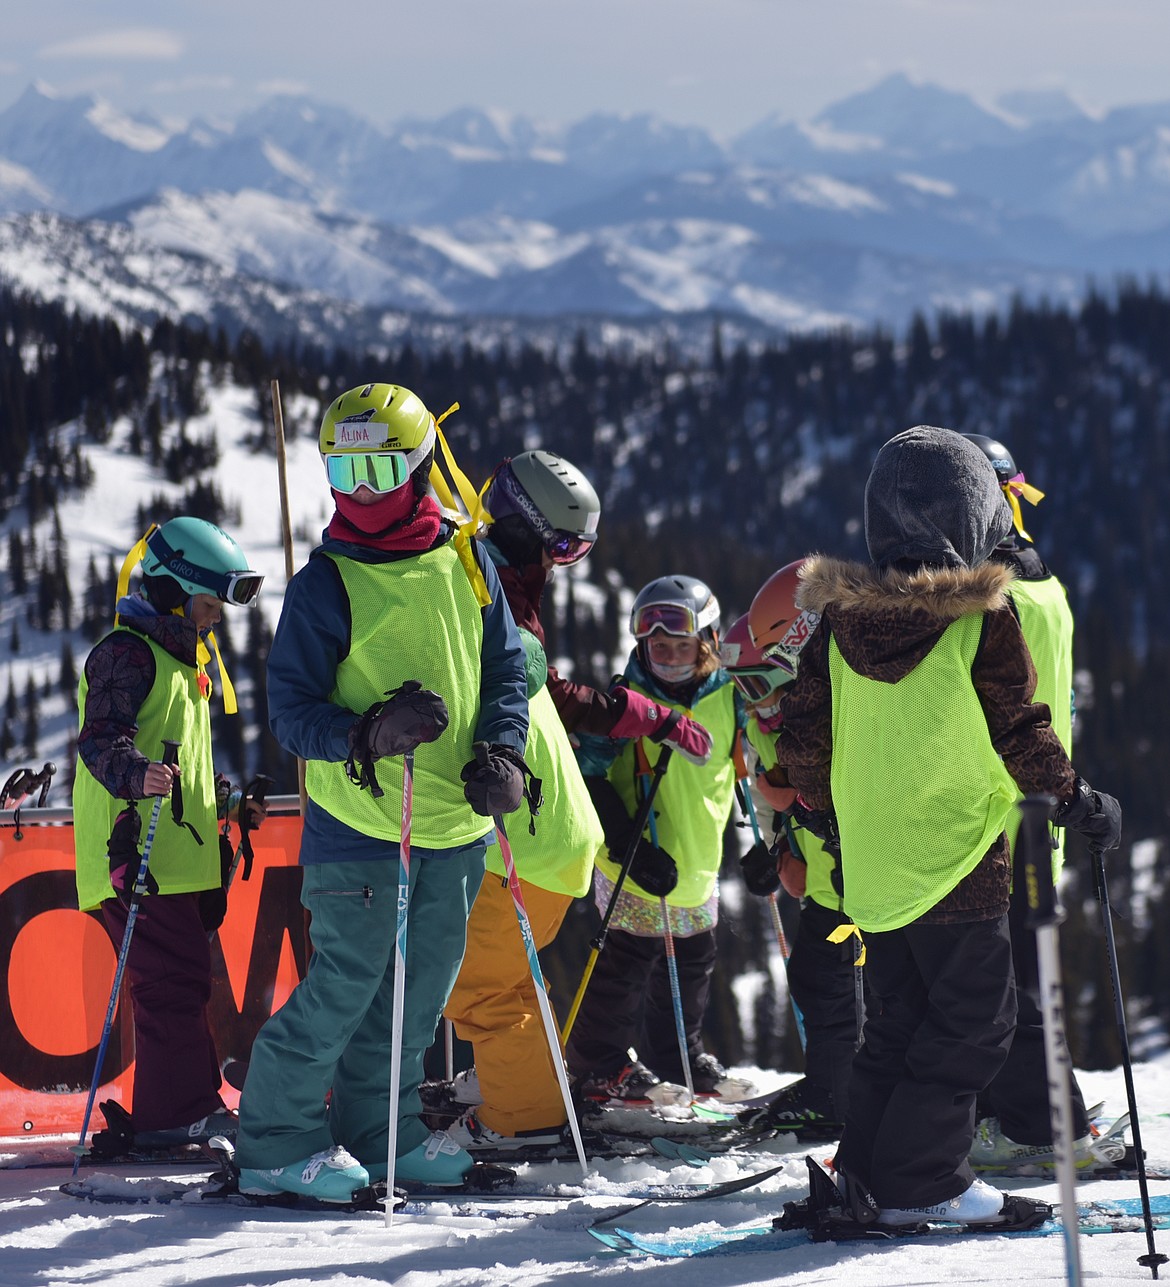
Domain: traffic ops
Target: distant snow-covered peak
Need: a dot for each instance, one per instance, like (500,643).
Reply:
(138,133)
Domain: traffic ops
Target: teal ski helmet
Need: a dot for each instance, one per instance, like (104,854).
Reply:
(202,559)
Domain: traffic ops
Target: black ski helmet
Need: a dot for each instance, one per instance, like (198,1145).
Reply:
(998,454)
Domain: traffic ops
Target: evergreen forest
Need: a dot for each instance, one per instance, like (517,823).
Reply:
(723,467)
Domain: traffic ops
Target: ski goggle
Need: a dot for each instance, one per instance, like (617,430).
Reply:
(380,471)
(565,548)
(673,618)
(239,588)
(758,683)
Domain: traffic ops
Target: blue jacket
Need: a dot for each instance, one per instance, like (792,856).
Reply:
(313,637)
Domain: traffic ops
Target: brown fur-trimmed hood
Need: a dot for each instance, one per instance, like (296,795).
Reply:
(886,620)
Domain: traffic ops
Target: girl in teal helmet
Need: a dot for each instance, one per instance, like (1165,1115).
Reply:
(147,681)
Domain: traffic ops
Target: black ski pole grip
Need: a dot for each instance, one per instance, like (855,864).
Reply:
(481,753)
(170,752)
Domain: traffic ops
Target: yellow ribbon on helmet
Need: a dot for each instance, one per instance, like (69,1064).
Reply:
(129,563)
(1015,488)
(842,932)
(202,655)
(466,527)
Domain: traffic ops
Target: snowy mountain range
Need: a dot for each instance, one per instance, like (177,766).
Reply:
(303,216)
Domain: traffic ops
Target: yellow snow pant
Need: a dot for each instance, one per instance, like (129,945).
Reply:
(493,1005)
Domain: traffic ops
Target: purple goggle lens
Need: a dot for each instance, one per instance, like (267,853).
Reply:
(566,547)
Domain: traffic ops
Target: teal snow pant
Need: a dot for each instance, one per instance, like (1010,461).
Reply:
(333,1033)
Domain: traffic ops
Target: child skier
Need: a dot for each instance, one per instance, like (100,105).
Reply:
(909,733)
(544,515)
(144,682)
(628,1002)
(1018,1125)
(391,595)
(822,975)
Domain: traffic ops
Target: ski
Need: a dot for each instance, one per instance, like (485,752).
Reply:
(1093,1218)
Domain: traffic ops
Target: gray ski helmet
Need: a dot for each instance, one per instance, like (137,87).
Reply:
(679,605)
(998,454)
(552,497)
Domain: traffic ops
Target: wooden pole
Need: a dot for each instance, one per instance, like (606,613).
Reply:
(286,535)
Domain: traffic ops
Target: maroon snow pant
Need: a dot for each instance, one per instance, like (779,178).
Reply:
(176,1070)
(940,1021)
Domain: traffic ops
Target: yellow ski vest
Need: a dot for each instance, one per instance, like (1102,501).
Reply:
(568,836)
(919,790)
(174,709)
(415,618)
(693,802)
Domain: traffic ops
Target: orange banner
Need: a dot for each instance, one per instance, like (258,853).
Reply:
(59,967)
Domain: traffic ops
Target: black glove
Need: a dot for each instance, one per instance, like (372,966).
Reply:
(1094,814)
(654,869)
(494,784)
(760,873)
(213,902)
(125,855)
(408,718)
(821,822)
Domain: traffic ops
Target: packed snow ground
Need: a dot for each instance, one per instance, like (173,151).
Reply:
(51,1240)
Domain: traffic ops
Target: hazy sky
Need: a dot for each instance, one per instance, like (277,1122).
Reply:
(720,63)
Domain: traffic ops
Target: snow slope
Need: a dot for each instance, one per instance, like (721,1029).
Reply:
(51,1240)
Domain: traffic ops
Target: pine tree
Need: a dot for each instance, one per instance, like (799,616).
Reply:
(32,718)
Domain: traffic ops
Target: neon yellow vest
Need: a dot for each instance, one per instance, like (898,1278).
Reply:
(568,836)
(414,618)
(693,802)
(919,791)
(1046,621)
(820,863)
(174,709)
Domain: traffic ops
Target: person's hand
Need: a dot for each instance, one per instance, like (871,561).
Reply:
(1094,814)
(159,778)
(494,782)
(654,869)
(761,873)
(256,810)
(408,718)
(125,856)
(643,717)
(793,872)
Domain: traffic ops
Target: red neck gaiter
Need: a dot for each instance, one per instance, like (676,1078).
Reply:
(397,521)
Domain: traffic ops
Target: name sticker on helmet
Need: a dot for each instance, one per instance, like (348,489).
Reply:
(350,433)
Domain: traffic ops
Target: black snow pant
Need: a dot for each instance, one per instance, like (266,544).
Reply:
(938,1031)
(821,978)
(1018,1094)
(628,1003)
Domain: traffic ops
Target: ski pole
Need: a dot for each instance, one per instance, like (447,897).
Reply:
(399,1002)
(256,790)
(22,784)
(1152,1259)
(744,794)
(680,1025)
(597,942)
(170,756)
(449,1049)
(1044,917)
(546,1014)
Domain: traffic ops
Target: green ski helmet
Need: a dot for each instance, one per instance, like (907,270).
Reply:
(379,435)
(199,557)
(540,503)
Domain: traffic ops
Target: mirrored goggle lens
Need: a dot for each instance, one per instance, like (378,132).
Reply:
(242,587)
(674,618)
(566,547)
(755,685)
(380,471)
